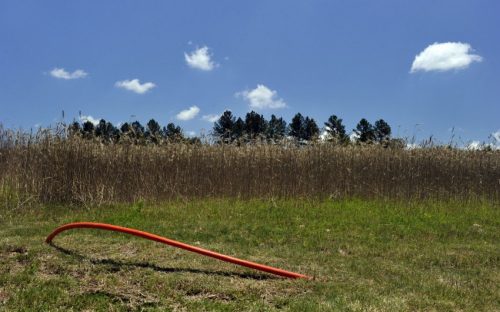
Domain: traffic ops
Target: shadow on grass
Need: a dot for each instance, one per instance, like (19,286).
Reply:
(118,265)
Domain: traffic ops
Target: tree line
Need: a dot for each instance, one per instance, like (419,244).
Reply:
(255,127)
(133,132)
(230,129)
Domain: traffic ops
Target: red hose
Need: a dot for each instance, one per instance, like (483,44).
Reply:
(153,237)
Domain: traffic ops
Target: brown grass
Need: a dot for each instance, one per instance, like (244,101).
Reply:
(49,168)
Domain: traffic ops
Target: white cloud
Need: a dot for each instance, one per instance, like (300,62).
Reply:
(135,85)
(210,117)
(189,113)
(445,56)
(496,136)
(262,97)
(478,146)
(93,120)
(412,146)
(61,73)
(474,146)
(324,136)
(191,133)
(353,137)
(200,59)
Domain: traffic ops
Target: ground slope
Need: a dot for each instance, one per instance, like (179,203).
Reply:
(364,255)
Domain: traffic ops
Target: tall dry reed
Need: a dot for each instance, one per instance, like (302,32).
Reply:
(50,168)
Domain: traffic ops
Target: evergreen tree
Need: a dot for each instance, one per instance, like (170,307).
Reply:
(382,131)
(106,131)
(297,127)
(311,130)
(335,129)
(303,129)
(276,129)
(153,132)
(137,129)
(255,125)
(239,130)
(365,131)
(223,128)
(88,130)
(125,128)
(125,131)
(100,129)
(153,127)
(173,133)
(74,128)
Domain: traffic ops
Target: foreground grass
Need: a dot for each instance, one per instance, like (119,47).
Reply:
(364,255)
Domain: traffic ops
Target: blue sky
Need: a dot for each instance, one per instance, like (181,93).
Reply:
(349,58)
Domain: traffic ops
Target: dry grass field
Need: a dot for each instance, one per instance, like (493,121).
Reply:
(53,170)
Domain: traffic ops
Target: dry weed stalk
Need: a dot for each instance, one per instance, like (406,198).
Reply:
(54,168)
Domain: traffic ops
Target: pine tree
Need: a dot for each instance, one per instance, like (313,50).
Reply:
(106,132)
(297,127)
(365,131)
(88,130)
(74,129)
(382,131)
(137,130)
(223,128)
(153,132)
(238,132)
(173,133)
(125,128)
(335,129)
(276,129)
(311,130)
(153,127)
(255,125)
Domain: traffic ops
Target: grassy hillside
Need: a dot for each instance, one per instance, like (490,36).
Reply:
(364,255)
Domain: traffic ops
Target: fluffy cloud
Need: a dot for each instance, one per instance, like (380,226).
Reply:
(61,73)
(444,56)
(474,146)
(210,117)
(189,113)
(412,146)
(478,146)
(324,135)
(496,136)
(93,120)
(353,137)
(262,97)
(135,86)
(200,59)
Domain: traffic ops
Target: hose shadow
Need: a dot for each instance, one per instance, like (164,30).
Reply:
(118,265)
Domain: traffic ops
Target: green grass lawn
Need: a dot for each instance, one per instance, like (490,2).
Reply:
(364,255)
